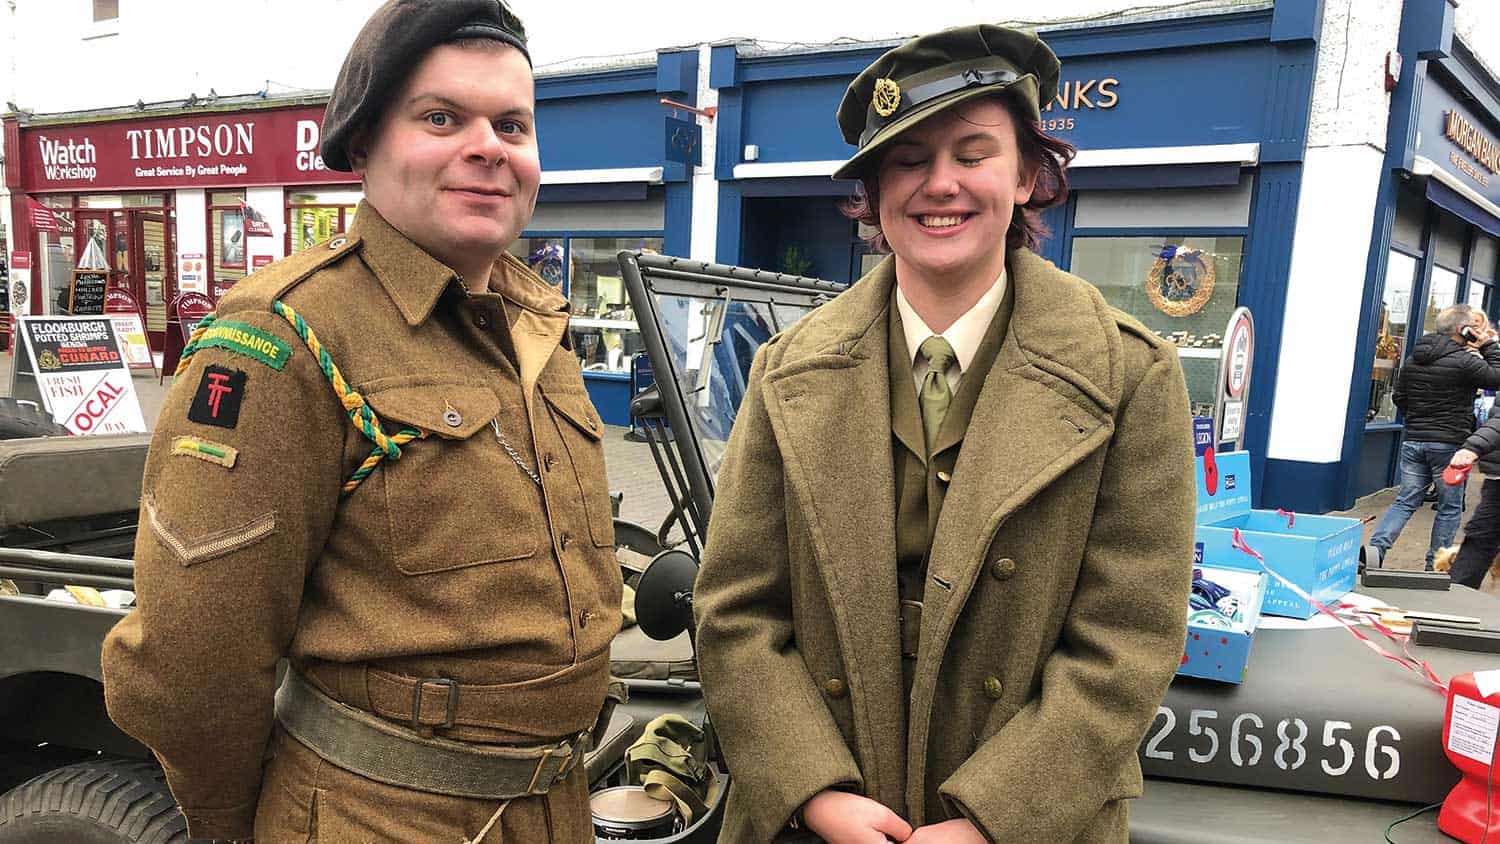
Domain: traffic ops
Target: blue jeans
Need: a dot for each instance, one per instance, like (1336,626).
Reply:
(1422,464)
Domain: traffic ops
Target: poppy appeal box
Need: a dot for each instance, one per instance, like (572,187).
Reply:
(1317,554)
(1222,618)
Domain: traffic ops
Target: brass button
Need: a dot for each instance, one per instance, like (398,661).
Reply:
(549,462)
(992,688)
(944,477)
(451,418)
(1003,568)
(584,617)
(337,242)
(563,541)
(836,688)
(481,320)
(593,426)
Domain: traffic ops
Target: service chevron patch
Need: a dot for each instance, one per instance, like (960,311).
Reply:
(248,341)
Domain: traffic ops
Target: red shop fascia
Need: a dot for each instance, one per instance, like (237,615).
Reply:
(208,149)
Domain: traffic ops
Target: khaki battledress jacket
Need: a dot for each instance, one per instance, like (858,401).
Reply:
(449,562)
(1055,590)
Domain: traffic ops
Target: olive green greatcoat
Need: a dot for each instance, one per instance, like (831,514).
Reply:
(1056,590)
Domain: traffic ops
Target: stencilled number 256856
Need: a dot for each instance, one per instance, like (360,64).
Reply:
(1289,744)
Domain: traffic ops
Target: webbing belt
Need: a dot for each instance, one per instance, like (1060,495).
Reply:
(379,750)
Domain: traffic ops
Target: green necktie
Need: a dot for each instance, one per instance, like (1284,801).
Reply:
(935,395)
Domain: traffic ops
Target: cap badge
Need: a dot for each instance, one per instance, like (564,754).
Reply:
(887,96)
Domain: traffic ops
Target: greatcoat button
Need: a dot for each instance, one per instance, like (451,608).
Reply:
(452,419)
(992,688)
(836,688)
(944,477)
(337,242)
(482,321)
(563,541)
(1003,568)
(549,462)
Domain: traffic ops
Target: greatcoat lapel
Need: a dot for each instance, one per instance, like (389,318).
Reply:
(1045,405)
(830,411)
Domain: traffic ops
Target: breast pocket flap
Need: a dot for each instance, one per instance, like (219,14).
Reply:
(450,411)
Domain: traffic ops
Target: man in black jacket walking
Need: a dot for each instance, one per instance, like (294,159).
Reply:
(1436,388)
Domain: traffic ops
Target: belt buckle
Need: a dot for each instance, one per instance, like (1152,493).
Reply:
(450,712)
(568,748)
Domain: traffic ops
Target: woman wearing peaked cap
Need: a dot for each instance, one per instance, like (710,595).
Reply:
(945,579)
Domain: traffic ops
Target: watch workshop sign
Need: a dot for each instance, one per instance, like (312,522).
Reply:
(259,147)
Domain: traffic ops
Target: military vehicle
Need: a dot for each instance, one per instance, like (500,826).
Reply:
(1322,742)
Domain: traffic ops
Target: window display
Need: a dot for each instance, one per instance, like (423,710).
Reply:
(1390,342)
(605,335)
(226,241)
(544,255)
(1182,288)
(315,215)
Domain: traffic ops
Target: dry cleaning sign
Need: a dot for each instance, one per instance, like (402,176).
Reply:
(83,380)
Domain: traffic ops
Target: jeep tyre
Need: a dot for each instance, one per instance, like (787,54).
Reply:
(98,802)
(18,421)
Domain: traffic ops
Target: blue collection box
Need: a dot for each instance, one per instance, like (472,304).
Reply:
(1214,652)
(1320,554)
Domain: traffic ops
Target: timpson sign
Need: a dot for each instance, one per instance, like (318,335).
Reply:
(1480,146)
(270,147)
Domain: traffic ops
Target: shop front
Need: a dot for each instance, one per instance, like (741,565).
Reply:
(1436,238)
(1190,131)
(167,202)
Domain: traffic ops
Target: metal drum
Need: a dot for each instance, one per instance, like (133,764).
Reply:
(628,813)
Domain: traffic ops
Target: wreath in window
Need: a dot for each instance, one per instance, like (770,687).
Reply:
(1181,280)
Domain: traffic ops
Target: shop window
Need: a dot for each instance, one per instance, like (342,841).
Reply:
(1479,295)
(1390,341)
(544,255)
(226,240)
(605,335)
(315,215)
(106,10)
(1182,288)
(1442,291)
(1411,218)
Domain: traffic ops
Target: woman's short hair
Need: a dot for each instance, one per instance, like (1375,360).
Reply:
(1048,155)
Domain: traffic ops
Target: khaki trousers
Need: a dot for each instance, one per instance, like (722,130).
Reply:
(304,799)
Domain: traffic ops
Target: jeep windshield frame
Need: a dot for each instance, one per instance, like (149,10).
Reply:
(701,325)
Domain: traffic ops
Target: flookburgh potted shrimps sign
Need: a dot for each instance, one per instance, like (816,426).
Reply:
(73,366)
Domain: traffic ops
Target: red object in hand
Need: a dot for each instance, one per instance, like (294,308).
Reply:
(1466,814)
(1454,475)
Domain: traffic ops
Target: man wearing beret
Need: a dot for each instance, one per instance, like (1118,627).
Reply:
(946,577)
(379,461)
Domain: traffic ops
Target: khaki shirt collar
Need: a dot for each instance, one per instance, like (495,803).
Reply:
(415,280)
(965,334)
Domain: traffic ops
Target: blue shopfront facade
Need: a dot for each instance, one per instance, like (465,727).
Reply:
(1436,235)
(1191,134)
(608,184)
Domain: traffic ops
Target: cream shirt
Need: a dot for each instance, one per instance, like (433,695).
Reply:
(964,335)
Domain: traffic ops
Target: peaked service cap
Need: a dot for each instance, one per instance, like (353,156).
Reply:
(391,43)
(934,72)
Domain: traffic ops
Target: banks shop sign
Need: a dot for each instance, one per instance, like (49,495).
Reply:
(231,149)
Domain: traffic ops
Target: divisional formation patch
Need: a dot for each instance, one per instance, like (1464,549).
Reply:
(217,401)
(212,452)
(243,339)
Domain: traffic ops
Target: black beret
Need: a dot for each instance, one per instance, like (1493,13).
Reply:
(928,74)
(391,43)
